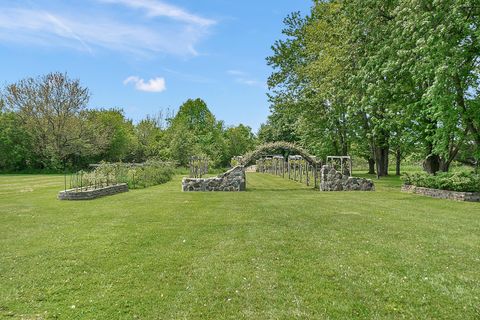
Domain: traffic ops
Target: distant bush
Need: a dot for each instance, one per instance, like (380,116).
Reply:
(457,181)
(137,176)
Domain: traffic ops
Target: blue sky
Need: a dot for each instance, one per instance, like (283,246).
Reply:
(148,55)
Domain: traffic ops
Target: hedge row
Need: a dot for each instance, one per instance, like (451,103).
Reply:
(458,181)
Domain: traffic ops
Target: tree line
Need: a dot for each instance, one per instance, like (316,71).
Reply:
(45,124)
(379,80)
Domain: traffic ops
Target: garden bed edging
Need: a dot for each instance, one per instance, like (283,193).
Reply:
(443,194)
(90,194)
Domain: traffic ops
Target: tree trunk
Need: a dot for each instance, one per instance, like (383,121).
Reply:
(381,158)
(342,139)
(371,166)
(371,144)
(382,148)
(431,164)
(444,165)
(398,156)
(454,147)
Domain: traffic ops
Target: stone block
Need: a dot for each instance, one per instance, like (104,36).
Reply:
(90,194)
(232,180)
(332,180)
(443,194)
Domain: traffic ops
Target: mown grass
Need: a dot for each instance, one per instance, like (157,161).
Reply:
(278,251)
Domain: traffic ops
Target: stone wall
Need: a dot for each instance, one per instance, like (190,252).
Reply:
(232,180)
(332,180)
(90,194)
(443,194)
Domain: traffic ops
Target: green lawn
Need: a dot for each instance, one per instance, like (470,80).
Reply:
(278,251)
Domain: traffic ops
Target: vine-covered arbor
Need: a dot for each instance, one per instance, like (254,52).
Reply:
(272,164)
(344,162)
(272,148)
(294,168)
(299,166)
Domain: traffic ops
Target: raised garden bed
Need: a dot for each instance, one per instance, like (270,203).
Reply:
(443,194)
(92,193)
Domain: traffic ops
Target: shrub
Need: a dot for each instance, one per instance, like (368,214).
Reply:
(458,181)
(137,176)
(150,174)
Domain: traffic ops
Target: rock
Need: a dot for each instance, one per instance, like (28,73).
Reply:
(232,180)
(332,180)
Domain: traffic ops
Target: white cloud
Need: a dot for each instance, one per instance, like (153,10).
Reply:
(156,8)
(243,78)
(152,85)
(82,31)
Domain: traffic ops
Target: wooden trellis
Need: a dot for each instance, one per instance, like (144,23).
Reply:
(295,168)
(198,166)
(346,164)
(271,164)
(302,171)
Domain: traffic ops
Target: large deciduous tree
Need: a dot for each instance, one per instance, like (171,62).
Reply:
(238,141)
(114,133)
(375,77)
(195,131)
(15,143)
(443,55)
(52,108)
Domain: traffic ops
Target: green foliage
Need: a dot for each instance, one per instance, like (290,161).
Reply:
(52,109)
(149,138)
(15,143)
(371,77)
(137,176)
(286,83)
(151,174)
(45,125)
(458,181)
(238,140)
(116,131)
(235,162)
(183,144)
(195,131)
(195,115)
